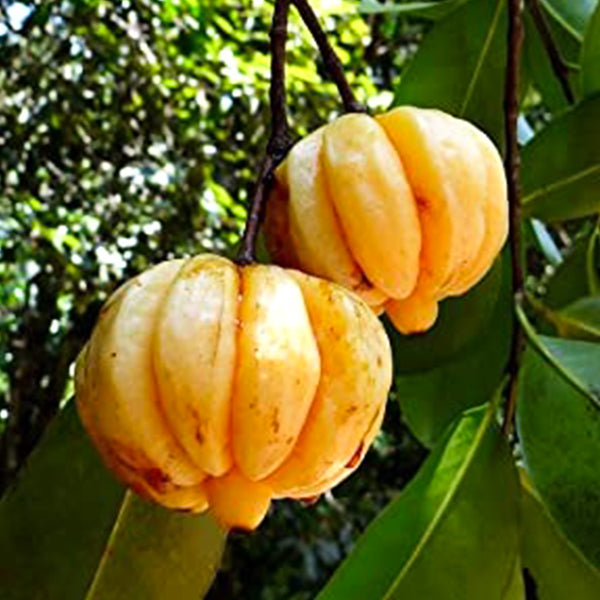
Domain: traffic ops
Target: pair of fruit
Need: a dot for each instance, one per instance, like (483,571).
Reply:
(206,384)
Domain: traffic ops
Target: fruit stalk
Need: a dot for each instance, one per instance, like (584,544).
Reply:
(332,62)
(280,139)
(513,168)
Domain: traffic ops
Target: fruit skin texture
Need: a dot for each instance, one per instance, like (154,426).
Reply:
(405,209)
(209,385)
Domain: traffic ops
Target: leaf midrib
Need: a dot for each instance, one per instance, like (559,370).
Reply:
(484,52)
(110,542)
(561,21)
(547,355)
(445,502)
(560,183)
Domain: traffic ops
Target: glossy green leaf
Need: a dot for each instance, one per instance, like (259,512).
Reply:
(459,67)
(431,399)
(558,420)
(557,568)
(452,533)
(572,15)
(69,531)
(561,166)
(590,56)
(427,10)
(540,67)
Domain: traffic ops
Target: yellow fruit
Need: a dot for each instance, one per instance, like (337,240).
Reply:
(209,385)
(405,209)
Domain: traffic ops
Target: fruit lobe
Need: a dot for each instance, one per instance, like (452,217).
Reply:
(209,385)
(405,209)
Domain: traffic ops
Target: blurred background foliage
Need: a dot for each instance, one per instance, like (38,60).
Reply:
(131,132)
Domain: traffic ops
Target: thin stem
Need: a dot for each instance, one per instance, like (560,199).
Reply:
(513,167)
(280,138)
(559,65)
(332,62)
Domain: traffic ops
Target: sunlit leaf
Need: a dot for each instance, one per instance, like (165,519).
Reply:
(452,533)
(428,10)
(460,66)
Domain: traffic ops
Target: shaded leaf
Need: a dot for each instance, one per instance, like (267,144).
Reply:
(72,525)
(431,399)
(558,420)
(561,166)
(559,570)
(590,56)
(540,67)
(452,533)
(570,281)
(459,67)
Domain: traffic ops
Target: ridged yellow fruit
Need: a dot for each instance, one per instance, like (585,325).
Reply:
(210,385)
(405,209)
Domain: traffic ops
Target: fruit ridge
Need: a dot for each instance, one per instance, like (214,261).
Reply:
(405,209)
(210,385)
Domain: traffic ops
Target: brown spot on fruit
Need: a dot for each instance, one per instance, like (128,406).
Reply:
(199,435)
(356,456)
(156,479)
(275,421)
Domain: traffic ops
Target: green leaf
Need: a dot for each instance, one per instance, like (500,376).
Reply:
(452,533)
(590,57)
(431,399)
(558,569)
(581,320)
(426,10)
(572,15)
(561,166)
(68,530)
(516,588)
(459,67)
(540,67)
(558,420)
(570,281)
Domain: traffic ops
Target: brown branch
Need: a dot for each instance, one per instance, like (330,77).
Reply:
(280,138)
(513,167)
(332,62)
(559,65)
